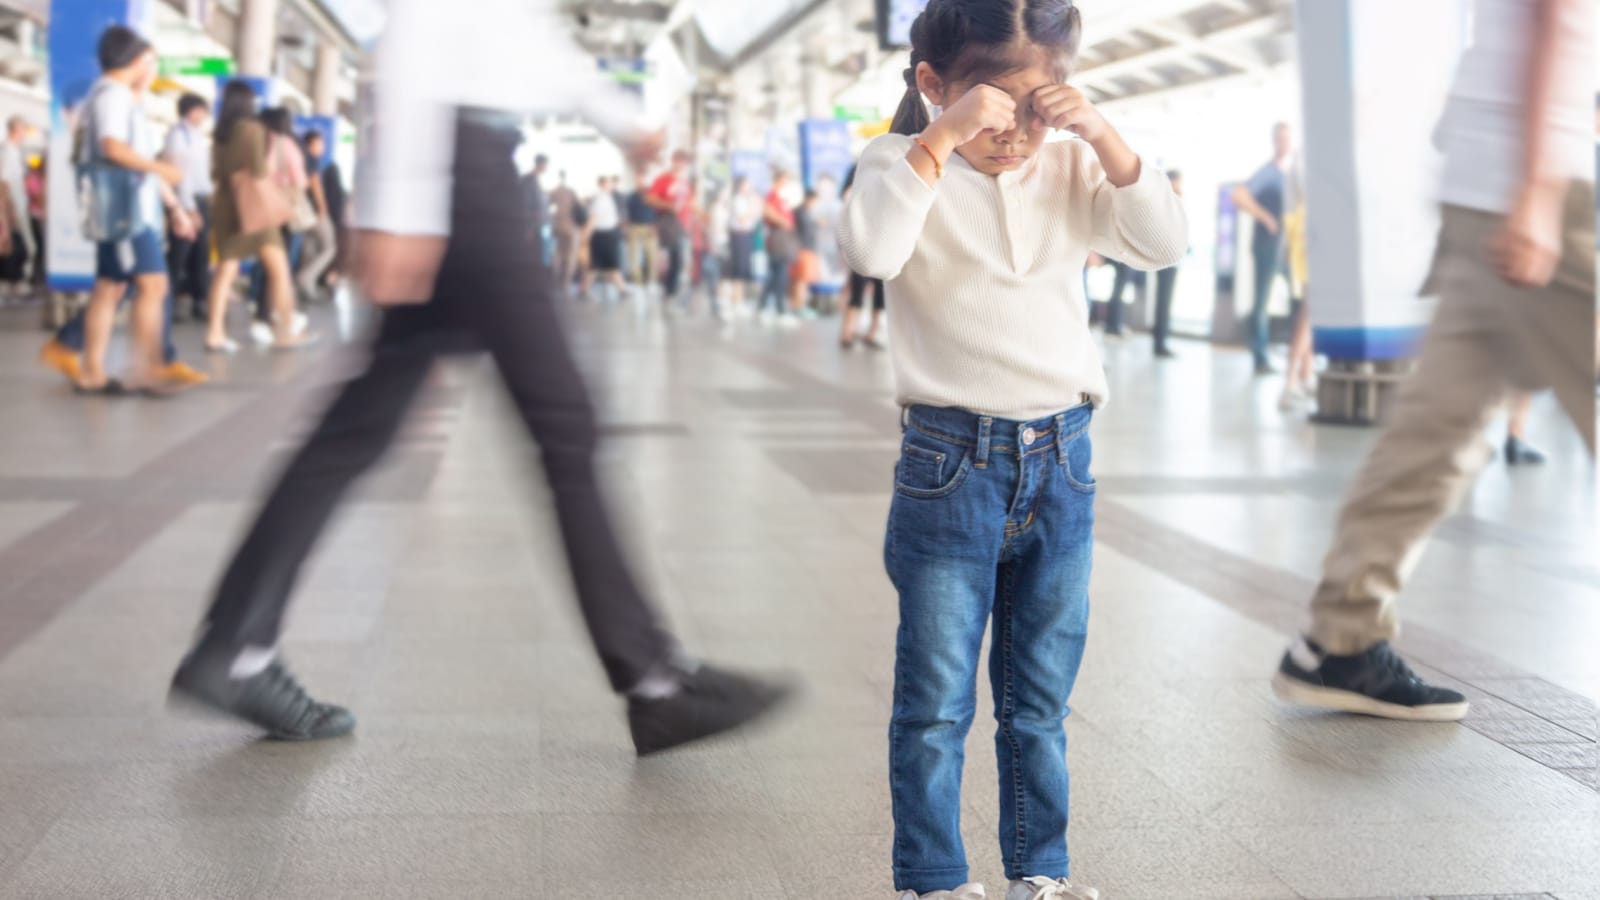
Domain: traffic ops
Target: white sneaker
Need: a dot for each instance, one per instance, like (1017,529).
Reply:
(261,333)
(965,892)
(1294,395)
(1049,889)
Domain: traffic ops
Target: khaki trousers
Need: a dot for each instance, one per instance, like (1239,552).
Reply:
(1488,338)
(644,254)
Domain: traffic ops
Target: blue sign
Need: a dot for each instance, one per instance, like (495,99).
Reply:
(751,165)
(825,151)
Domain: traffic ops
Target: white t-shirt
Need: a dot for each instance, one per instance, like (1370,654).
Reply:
(1481,133)
(116,113)
(190,150)
(603,212)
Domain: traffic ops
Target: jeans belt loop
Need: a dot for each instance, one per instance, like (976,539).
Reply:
(1061,438)
(985,425)
(905,418)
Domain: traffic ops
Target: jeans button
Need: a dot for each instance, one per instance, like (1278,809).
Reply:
(1029,436)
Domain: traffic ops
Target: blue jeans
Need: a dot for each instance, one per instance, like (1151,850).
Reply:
(980,529)
(777,286)
(711,276)
(1268,263)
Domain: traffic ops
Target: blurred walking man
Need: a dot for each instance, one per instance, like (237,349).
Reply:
(1515,276)
(443,246)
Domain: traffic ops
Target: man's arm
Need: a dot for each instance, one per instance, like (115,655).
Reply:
(120,153)
(1246,200)
(1527,248)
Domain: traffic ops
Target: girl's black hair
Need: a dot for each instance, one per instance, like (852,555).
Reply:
(238,104)
(972,41)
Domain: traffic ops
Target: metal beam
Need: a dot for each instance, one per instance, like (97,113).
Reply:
(650,11)
(1198,43)
(1202,43)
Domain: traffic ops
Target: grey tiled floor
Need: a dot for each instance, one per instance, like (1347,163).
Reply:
(750,470)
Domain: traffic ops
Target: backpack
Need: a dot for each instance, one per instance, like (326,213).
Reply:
(109,210)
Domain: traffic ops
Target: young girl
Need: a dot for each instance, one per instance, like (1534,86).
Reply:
(981,230)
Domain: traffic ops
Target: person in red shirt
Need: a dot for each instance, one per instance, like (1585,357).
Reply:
(671,197)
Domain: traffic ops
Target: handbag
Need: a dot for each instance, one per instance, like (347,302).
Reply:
(305,216)
(259,200)
(109,210)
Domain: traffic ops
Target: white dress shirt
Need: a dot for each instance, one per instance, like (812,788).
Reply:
(984,274)
(436,57)
(14,174)
(603,212)
(190,150)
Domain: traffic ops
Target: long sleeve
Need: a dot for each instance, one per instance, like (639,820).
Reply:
(1142,224)
(886,211)
(435,58)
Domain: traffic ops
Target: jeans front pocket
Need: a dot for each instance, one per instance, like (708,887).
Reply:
(1080,453)
(930,468)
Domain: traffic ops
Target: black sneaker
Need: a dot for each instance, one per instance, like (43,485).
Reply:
(271,700)
(1374,683)
(709,702)
(1520,453)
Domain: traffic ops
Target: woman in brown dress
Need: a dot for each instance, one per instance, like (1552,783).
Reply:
(241,146)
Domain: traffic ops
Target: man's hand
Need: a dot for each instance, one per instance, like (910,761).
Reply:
(1271,223)
(397,269)
(167,172)
(1527,248)
(184,224)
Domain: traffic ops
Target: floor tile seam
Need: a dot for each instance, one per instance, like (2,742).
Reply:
(1138,547)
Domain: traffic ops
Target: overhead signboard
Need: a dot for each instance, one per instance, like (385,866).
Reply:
(197,65)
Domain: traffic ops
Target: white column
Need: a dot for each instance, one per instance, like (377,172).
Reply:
(256,44)
(325,83)
(816,86)
(1375,75)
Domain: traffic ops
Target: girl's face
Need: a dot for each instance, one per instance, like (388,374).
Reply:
(1007,151)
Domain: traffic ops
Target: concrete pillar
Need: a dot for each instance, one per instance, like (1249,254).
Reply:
(816,86)
(255,47)
(1374,75)
(325,80)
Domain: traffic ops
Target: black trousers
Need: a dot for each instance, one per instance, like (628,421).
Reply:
(1126,275)
(1166,281)
(189,262)
(858,292)
(492,295)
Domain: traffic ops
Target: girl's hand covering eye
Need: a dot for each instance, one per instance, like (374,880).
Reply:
(1064,107)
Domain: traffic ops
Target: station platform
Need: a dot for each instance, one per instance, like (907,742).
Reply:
(752,468)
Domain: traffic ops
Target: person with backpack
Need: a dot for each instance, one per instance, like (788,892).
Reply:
(125,193)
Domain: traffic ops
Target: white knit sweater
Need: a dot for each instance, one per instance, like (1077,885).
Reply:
(985,273)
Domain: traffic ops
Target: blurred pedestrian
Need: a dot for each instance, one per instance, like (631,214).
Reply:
(36,186)
(538,200)
(115,149)
(1300,379)
(248,189)
(1515,276)
(806,270)
(1166,283)
(1265,197)
(670,196)
(189,148)
(321,242)
(291,174)
(782,247)
(713,221)
(14,282)
(746,210)
(643,234)
(849,330)
(568,216)
(443,250)
(605,239)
